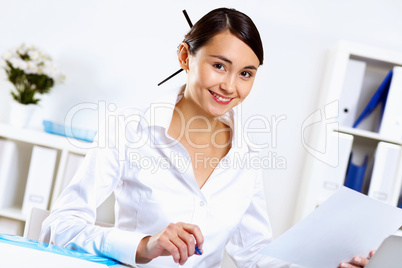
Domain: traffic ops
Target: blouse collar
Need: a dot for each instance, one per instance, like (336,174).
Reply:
(160,113)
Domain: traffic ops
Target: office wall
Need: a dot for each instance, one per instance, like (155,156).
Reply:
(117,51)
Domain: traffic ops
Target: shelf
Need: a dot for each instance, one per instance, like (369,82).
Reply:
(343,75)
(12,213)
(367,134)
(40,138)
(371,53)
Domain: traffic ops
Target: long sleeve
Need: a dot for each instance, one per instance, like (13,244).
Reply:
(71,222)
(153,185)
(253,233)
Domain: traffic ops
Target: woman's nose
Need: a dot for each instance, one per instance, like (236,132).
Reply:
(229,84)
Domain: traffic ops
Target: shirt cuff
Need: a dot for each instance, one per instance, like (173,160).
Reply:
(122,245)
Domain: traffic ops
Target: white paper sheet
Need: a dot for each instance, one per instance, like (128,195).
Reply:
(346,225)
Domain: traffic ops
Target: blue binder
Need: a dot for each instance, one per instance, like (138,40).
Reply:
(355,174)
(379,97)
(400,200)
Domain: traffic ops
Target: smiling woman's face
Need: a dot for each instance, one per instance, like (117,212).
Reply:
(220,74)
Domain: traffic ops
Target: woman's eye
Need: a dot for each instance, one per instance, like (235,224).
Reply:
(246,74)
(219,66)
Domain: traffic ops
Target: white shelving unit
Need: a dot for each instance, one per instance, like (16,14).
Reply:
(378,62)
(26,139)
(364,134)
(39,138)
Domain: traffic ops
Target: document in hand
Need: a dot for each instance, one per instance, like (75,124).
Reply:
(346,225)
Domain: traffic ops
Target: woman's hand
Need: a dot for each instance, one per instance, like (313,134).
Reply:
(357,262)
(178,240)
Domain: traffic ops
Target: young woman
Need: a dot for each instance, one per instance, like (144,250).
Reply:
(178,169)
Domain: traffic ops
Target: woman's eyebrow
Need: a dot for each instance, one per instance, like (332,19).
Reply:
(252,67)
(222,58)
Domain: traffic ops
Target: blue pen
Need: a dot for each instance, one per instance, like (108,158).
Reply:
(197,250)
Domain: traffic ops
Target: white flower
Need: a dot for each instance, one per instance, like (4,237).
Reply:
(36,63)
(60,78)
(34,55)
(22,49)
(11,53)
(8,55)
(14,62)
(31,68)
(18,64)
(23,65)
(39,70)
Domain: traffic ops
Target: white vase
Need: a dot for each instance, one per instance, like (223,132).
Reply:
(21,114)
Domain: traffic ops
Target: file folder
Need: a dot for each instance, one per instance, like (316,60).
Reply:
(332,178)
(383,178)
(351,89)
(40,178)
(391,124)
(8,172)
(379,97)
(355,174)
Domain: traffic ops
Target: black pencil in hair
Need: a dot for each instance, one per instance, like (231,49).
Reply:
(187,18)
(170,77)
(191,25)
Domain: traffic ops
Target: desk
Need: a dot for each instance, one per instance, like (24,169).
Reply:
(13,256)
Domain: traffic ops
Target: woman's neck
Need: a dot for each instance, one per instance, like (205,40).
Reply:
(191,123)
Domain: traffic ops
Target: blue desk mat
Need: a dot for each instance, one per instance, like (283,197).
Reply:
(28,243)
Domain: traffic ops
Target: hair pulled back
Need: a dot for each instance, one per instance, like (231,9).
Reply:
(221,20)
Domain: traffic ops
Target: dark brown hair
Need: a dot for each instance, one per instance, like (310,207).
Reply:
(225,19)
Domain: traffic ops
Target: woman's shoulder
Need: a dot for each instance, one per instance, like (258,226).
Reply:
(130,111)
(129,118)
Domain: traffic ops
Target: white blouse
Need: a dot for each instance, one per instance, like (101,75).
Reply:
(153,182)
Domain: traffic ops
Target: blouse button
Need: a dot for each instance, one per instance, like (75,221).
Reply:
(202,203)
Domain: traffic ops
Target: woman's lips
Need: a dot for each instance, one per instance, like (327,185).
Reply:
(219,98)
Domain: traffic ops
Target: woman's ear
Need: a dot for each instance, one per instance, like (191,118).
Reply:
(183,56)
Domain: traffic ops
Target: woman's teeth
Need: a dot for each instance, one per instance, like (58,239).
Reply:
(220,98)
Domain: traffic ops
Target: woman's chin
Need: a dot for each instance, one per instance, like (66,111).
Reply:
(217,113)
